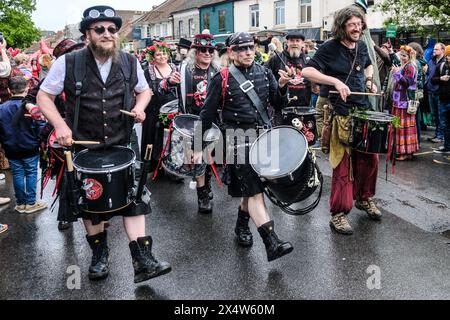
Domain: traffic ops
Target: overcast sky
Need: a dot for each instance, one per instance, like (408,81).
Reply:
(54,15)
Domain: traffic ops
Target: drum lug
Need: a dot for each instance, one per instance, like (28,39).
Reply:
(291,176)
(110,203)
(79,176)
(109,176)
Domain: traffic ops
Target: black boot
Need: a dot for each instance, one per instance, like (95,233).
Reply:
(275,247)
(204,203)
(99,268)
(244,235)
(208,178)
(145,266)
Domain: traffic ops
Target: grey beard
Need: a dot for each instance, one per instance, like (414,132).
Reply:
(105,53)
(295,53)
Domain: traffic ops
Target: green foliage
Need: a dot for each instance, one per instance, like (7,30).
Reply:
(413,14)
(16,24)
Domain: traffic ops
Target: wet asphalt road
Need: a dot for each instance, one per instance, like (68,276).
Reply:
(409,247)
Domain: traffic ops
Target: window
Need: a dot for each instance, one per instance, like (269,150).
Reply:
(222,21)
(191,28)
(165,33)
(279,12)
(148,32)
(254,16)
(206,21)
(158,30)
(180,29)
(305,11)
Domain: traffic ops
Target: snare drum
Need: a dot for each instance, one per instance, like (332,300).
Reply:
(107,179)
(372,132)
(285,165)
(178,159)
(305,115)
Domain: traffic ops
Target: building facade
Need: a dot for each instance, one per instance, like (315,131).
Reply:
(218,18)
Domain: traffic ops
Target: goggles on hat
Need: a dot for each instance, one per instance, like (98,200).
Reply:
(205,42)
(94,13)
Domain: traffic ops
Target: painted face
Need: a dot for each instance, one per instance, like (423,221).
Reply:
(243,56)
(353,29)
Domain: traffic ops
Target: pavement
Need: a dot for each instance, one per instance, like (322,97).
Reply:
(405,256)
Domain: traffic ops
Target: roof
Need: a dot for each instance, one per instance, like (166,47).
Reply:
(161,12)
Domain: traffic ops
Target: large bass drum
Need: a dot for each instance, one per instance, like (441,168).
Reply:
(107,178)
(287,168)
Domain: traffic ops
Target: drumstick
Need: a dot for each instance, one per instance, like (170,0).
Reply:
(148,152)
(87,143)
(128,113)
(69,161)
(360,94)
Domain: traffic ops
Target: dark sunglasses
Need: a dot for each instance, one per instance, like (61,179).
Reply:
(101,30)
(204,50)
(244,48)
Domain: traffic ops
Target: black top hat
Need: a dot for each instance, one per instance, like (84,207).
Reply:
(184,43)
(97,14)
(295,35)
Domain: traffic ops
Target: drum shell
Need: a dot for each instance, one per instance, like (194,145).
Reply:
(293,187)
(117,191)
(378,134)
(306,115)
(107,182)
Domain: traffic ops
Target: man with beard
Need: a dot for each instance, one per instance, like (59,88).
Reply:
(240,113)
(346,65)
(294,56)
(201,64)
(96,110)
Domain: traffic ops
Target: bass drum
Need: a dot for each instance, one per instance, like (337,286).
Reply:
(107,179)
(287,168)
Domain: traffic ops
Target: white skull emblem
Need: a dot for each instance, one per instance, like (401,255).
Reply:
(297,124)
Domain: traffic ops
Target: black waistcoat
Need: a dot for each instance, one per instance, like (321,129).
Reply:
(238,107)
(100,117)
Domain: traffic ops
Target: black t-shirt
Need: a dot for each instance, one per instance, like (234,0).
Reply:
(335,60)
(199,83)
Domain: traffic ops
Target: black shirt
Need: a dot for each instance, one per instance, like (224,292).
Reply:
(335,60)
(199,83)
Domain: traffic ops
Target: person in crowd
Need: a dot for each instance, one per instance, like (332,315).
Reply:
(442,78)
(19,137)
(35,68)
(405,86)
(433,91)
(4,227)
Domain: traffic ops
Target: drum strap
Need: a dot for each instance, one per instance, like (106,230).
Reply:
(251,93)
(80,75)
(125,67)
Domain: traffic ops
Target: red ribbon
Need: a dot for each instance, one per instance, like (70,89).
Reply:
(169,138)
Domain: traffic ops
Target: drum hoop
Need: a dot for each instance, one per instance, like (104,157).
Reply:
(173,103)
(291,110)
(376,117)
(104,170)
(214,126)
(283,175)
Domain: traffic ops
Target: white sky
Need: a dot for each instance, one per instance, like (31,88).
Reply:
(54,15)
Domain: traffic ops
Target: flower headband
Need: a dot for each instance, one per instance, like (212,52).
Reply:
(150,51)
(407,49)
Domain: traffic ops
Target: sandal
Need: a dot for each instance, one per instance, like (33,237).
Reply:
(3,228)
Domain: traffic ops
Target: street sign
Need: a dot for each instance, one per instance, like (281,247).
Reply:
(391,31)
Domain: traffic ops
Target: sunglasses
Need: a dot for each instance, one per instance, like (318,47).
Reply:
(244,48)
(94,14)
(204,50)
(101,30)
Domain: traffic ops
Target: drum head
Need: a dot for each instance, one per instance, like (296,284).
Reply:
(278,152)
(108,160)
(170,107)
(185,125)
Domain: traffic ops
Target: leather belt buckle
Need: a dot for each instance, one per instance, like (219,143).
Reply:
(246,86)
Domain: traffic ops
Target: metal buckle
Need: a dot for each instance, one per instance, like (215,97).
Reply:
(246,86)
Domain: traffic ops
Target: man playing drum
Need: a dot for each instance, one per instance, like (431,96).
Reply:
(239,112)
(103,94)
(346,65)
(200,65)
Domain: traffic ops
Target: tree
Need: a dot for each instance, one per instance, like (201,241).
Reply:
(413,14)
(16,24)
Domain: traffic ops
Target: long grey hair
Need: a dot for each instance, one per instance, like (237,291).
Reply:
(191,60)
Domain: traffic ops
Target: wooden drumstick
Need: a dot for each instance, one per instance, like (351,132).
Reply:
(148,152)
(69,161)
(360,94)
(128,113)
(87,143)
